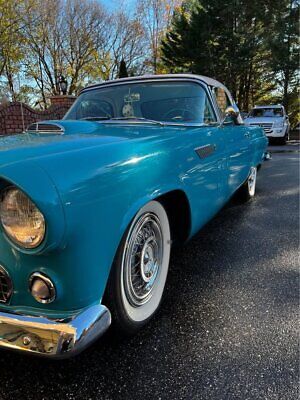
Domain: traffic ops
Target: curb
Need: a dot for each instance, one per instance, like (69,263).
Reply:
(284,151)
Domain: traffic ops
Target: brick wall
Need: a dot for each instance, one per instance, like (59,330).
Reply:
(221,99)
(11,120)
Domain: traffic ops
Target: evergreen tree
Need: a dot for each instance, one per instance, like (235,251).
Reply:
(123,70)
(230,41)
(284,45)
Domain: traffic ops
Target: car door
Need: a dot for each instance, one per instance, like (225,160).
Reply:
(205,161)
(237,142)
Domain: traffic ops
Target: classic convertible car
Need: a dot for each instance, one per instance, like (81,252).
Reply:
(90,205)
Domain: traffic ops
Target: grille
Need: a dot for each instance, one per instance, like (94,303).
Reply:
(5,286)
(267,127)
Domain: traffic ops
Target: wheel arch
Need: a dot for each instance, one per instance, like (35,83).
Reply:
(180,227)
(180,223)
(172,199)
(178,209)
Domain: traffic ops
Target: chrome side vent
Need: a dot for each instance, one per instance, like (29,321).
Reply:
(205,151)
(45,128)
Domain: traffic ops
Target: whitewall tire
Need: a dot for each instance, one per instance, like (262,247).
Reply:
(140,269)
(247,190)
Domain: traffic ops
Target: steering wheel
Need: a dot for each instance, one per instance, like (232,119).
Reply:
(180,114)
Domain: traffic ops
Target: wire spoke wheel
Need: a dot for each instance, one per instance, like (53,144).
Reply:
(143,259)
(137,281)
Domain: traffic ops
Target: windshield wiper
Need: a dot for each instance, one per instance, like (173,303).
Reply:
(138,119)
(95,118)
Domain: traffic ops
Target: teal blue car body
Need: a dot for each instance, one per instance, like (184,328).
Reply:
(91,181)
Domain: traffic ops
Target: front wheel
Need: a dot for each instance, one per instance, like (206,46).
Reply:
(140,269)
(247,190)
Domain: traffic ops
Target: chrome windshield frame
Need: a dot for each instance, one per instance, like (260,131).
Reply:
(138,80)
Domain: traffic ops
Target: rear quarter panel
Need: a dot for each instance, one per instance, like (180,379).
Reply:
(259,144)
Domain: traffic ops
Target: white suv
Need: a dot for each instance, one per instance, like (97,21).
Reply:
(273,119)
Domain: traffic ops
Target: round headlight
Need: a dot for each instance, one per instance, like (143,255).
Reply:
(23,223)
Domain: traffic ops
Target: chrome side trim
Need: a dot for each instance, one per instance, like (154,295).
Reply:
(54,338)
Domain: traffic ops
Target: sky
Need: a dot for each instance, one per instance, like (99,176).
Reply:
(114,4)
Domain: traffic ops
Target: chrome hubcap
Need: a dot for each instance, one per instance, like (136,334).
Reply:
(143,259)
(252,181)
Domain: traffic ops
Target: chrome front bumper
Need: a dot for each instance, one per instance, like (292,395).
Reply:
(53,338)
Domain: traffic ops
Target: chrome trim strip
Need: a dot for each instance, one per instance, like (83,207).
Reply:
(54,338)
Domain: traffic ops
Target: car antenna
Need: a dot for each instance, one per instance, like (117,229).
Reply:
(21,105)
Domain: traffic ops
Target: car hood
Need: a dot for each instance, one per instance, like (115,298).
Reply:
(78,135)
(262,120)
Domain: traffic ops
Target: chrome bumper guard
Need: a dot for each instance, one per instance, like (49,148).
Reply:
(53,338)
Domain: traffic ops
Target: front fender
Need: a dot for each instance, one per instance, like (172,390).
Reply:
(98,200)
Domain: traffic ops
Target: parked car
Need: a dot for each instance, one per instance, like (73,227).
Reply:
(90,205)
(273,119)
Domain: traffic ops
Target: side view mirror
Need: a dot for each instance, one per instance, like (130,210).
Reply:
(233,113)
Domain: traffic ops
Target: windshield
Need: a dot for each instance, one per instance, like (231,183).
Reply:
(266,112)
(174,102)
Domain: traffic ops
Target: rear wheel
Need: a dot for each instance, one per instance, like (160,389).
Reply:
(247,191)
(139,272)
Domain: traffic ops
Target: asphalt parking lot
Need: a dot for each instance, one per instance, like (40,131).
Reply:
(228,327)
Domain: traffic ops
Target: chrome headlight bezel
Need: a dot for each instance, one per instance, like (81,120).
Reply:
(21,203)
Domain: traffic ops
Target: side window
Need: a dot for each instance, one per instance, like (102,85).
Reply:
(209,115)
(222,99)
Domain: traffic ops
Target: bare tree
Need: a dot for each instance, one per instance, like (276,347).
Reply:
(156,16)
(126,42)
(65,40)
(81,40)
